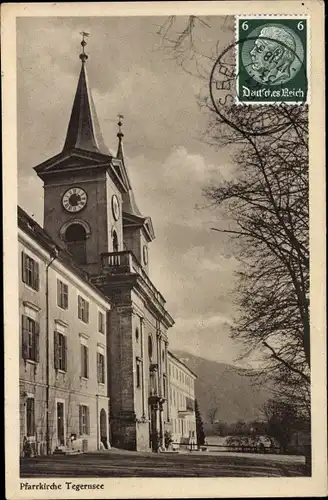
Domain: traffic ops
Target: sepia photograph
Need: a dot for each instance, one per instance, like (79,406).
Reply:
(164,221)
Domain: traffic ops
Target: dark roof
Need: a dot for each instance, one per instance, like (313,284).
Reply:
(181,362)
(83,129)
(33,229)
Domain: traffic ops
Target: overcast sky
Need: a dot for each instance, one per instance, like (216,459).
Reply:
(167,161)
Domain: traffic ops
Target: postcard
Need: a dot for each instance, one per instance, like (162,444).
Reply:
(164,237)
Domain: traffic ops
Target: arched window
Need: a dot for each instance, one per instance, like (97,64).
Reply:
(75,237)
(150,347)
(115,241)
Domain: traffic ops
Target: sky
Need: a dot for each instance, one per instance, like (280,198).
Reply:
(168,161)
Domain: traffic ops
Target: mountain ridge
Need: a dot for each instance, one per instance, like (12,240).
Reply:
(228,388)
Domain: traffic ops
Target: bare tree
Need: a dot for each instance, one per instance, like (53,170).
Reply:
(266,204)
(212,412)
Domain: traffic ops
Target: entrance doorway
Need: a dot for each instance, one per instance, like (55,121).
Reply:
(60,424)
(103,428)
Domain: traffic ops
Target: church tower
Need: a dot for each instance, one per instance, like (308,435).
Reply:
(90,208)
(84,186)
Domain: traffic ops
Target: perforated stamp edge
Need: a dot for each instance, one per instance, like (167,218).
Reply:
(276,17)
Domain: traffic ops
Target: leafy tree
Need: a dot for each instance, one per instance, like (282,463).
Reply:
(282,422)
(199,426)
(221,428)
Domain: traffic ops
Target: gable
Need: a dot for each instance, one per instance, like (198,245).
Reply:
(144,223)
(70,161)
(120,171)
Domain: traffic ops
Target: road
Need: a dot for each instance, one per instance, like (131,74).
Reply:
(118,463)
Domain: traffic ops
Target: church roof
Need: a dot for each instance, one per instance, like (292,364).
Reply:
(83,130)
(129,203)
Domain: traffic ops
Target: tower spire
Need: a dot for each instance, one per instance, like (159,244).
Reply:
(120,136)
(83,129)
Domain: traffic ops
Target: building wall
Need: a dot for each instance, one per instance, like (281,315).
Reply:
(111,190)
(67,386)
(131,325)
(181,388)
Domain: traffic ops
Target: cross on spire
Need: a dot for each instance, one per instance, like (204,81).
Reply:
(120,123)
(120,136)
(83,56)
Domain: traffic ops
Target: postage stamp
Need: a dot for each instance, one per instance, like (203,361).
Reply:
(164,305)
(271,60)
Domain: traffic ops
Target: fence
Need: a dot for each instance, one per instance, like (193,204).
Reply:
(275,450)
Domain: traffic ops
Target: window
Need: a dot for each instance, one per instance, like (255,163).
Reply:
(138,379)
(164,386)
(170,368)
(30,339)
(83,309)
(75,237)
(101,368)
(30,271)
(190,404)
(30,417)
(101,322)
(60,351)
(84,420)
(137,334)
(62,294)
(150,347)
(84,361)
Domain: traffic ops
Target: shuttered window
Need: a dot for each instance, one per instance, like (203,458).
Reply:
(83,309)
(30,271)
(138,374)
(62,295)
(101,368)
(101,322)
(30,339)
(84,361)
(60,351)
(84,420)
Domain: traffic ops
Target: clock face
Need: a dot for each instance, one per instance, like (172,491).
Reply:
(115,207)
(74,199)
(145,255)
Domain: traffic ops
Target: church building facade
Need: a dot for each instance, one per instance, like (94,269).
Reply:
(100,239)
